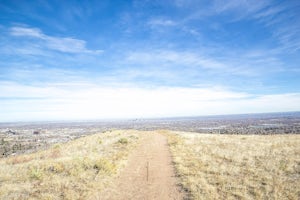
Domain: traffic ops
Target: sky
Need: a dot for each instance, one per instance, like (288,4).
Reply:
(85,60)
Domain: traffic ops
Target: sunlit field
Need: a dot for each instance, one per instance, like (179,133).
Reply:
(79,169)
(207,166)
(237,166)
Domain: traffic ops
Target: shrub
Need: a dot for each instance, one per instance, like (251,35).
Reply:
(103,165)
(36,173)
(123,141)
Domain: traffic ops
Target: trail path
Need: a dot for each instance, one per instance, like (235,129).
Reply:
(136,182)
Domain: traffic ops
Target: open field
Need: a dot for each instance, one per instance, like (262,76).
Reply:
(237,166)
(119,164)
(78,169)
(112,164)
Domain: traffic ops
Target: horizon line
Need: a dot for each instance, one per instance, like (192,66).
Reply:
(146,118)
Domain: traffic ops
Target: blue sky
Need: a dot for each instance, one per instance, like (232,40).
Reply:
(132,59)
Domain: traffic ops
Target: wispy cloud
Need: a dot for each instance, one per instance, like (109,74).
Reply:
(87,101)
(162,22)
(281,19)
(38,74)
(267,14)
(149,66)
(236,9)
(247,63)
(62,44)
(160,58)
(32,32)
(241,7)
(289,37)
(166,57)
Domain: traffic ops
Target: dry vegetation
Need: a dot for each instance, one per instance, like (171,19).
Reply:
(75,170)
(208,166)
(237,166)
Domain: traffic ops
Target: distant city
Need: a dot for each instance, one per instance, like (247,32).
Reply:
(23,137)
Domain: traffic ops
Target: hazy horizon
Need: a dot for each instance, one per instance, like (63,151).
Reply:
(147,59)
(204,117)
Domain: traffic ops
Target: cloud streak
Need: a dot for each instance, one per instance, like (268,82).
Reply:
(90,101)
(162,22)
(248,63)
(62,44)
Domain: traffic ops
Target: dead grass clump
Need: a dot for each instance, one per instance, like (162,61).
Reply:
(19,159)
(55,153)
(56,167)
(237,167)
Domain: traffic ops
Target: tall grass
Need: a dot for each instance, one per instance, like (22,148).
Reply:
(75,170)
(237,166)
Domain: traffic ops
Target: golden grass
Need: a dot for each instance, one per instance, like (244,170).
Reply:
(237,166)
(79,169)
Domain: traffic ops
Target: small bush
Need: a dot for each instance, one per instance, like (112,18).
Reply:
(134,137)
(56,146)
(36,173)
(283,165)
(123,141)
(103,165)
(2,141)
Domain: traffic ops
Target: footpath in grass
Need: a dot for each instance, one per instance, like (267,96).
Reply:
(149,173)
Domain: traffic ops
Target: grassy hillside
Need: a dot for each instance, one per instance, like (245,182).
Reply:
(237,166)
(75,170)
(208,166)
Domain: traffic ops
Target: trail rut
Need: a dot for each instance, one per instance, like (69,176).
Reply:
(149,173)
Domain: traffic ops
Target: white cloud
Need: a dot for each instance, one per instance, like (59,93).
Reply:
(62,44)
(241,6)
(195,61)
(90,101)
(174,57)
(31,32)
(281,19)
(289,37)
(266,14)
(162,22)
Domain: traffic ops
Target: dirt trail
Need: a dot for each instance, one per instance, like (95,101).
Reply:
(136,182)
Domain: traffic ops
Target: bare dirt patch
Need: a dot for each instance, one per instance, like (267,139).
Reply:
(149,173)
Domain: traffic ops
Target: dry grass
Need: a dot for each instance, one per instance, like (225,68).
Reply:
(237,166)
(75,170)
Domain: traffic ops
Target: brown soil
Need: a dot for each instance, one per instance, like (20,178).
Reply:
(149,173)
